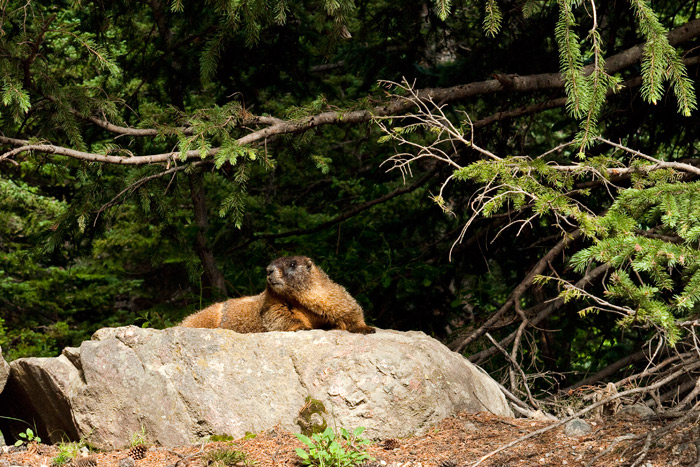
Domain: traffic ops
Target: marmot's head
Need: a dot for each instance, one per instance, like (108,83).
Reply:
(290,272)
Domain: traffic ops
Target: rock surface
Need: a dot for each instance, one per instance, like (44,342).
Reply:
(577,427)
(180,384)
(635,411)
(4,371)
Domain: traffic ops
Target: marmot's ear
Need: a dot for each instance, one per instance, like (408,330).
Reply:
(309,263)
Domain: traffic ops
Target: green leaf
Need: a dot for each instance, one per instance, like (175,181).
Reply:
(301,453)
(305,439)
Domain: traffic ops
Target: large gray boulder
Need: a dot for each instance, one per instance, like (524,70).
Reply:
(180,384)
(4,371)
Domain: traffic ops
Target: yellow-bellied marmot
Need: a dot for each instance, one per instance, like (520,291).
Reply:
(299,295)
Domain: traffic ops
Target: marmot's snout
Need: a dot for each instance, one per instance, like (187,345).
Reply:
(274,276)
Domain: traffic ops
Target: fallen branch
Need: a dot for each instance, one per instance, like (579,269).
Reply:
(607,451)
(578,414)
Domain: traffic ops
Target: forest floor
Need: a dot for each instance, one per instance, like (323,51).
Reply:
(456,441)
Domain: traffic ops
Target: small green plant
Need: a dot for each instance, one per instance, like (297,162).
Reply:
(225,457)
(330,450)
(139,438)
(67,451)
(28,437)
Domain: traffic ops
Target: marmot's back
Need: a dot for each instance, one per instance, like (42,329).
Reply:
(238,314)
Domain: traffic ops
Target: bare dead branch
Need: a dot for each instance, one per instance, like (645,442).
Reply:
(517,293)
(346,215)
(680,166)
(607,450)
(515,364)
(541,315)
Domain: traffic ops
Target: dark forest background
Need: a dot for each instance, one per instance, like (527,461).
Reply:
(156,156)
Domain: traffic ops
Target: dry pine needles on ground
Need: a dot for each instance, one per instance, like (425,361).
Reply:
(457,441)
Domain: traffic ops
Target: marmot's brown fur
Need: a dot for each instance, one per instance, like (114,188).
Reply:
(299,295)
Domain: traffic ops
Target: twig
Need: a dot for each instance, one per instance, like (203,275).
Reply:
(184,460)
(645,450)
(615,442)
(137,184)
(516,366)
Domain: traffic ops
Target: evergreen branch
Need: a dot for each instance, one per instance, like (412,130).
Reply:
(94,157)
(443,7)
(279,127)
(571,61)
(492,18)
(682,85)
(97,51)
(27,146)
(655,51)
(661,61)
(602,305)
(599,82)
(34,52)
(213,49)
(502,83)
(658,164)
(142,181)
(187,130)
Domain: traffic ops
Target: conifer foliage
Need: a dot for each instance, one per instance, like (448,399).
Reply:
(517,173)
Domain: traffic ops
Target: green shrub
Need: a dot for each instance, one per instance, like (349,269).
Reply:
(330,450)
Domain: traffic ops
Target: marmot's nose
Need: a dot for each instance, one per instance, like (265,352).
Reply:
(270,270)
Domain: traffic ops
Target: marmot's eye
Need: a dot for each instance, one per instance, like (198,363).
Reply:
(293,264)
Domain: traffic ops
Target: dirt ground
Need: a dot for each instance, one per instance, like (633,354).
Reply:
(456,441)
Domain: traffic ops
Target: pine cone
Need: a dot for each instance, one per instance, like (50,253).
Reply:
(448,463)
(390,443)
(137,452)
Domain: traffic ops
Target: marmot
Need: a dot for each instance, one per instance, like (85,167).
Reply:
(299,295)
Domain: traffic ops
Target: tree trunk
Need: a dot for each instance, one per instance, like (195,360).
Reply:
(212,274)
(211,271)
